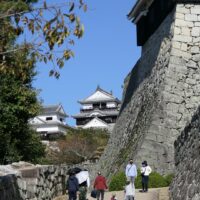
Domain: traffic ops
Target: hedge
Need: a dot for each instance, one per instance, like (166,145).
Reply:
(156,180)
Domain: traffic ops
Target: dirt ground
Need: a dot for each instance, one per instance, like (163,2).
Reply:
(153,194)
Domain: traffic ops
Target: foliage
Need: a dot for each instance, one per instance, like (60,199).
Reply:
(169,178)
(118,181)
(155,180)
(18,103)
(52,27)
(78,145)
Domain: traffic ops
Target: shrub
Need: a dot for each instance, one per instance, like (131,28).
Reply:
(156,180)
(138,180)
(117,182)
(169,178)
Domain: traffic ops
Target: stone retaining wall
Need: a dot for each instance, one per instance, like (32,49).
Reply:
(160,95)
(24,181)
(34,183)
(186,182)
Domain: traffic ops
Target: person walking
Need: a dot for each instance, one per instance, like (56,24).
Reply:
(131,171)
(84,183)
(72,186)
(129,191)
(145,171)
(100,185)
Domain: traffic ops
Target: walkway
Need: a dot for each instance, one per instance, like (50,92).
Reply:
(153,194)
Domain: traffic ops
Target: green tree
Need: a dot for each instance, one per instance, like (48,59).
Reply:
(18,103)
(53,29)
(18,99)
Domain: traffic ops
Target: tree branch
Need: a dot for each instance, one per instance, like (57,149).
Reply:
(34,9)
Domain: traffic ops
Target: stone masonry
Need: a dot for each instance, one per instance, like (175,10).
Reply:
(25,181)
(161,94)
(186,183)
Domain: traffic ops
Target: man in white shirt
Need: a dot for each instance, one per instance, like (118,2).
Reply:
(145,171)
(131,171)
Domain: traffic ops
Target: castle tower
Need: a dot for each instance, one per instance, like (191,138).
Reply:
(99,110)
(162,91)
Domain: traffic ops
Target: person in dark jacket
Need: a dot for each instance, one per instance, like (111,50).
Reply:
(100,185)
(72,186)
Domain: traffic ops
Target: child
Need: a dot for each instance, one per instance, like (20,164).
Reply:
(113,197)
(129,191)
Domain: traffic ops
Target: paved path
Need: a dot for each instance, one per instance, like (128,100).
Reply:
(153,194)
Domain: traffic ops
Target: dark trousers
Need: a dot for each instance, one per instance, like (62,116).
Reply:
(100,193)
(72,195)
(145,181)
(83,193)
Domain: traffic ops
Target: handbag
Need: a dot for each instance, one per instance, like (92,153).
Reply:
(142,174)
(93,193)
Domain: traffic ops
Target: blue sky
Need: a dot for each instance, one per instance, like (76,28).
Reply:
(104,56)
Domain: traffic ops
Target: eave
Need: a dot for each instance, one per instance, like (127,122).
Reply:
(140,9)
(99,101)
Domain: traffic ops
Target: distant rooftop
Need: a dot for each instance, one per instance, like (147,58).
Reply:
(99,95)
(53,109)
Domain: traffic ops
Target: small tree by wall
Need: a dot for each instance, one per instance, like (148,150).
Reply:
(78,146)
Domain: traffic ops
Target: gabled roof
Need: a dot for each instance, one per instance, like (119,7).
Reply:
(37,120)
(96,123)
(53,109)
(99,95)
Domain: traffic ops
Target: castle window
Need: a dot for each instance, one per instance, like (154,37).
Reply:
(49,118)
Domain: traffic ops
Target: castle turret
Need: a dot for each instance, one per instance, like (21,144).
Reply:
(99,110)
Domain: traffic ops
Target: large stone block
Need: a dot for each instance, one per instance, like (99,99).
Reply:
(32,172)
(195,31)
(182,38)
(191,17)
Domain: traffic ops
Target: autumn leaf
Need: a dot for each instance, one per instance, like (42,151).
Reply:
(51,73)
(72,7)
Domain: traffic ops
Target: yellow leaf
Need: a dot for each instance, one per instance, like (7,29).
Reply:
(85,8)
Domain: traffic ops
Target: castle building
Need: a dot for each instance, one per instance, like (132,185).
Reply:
(99,110)
(50,122)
